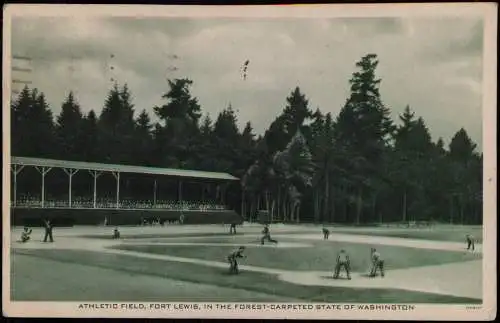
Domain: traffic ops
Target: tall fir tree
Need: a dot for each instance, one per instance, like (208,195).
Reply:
(461,146)
(20,111)
(69,128)
(143,145)
(90,150)
(226,135)
(292,119)
(363,129)
(117,126)
(35,126)
(180,116)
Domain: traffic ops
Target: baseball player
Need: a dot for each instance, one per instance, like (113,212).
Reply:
(25,235)
(233,259)
(116,234)
(326,233)
(470,242)
(232,229)
(377,263)
(267,235)
(343,262)
(48,231)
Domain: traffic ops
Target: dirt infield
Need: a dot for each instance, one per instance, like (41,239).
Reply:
(461,279)
(391,241)
(445,279)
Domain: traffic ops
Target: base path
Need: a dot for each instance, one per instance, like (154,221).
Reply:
(463,279)
(215,244)
(378,240)
(457,279)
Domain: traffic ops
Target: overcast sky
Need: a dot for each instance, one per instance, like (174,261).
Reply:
(432,64)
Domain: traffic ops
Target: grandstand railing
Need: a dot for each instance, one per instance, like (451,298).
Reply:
(88,203)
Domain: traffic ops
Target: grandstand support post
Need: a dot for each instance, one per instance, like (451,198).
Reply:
(117,177)
(43,171)
(154,194)
(180,191)
(95,174)
(243,215)
(16,169)
(70,173)
(223,194)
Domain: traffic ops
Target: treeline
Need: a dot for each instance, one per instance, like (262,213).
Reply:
(356,167)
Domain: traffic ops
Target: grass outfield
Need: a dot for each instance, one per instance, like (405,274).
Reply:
(254,232)
(321,256)
(192,273)
(155,235)
(457,235)
(39,279)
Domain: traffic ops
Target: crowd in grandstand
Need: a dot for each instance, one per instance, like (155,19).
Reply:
(104,203)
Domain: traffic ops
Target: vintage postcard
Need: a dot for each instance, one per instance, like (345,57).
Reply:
(310,162)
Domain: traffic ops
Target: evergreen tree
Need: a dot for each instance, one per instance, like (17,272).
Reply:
(461,146)
(206,127)
(20,111)
(69,129)
(363,129)
(226,136)
(364,122)
(225,127)
(34,126)
(414,152)
(466,176)
(403,132)
(144,139)
(180,116)
(90,151)
(117,126)
(292,119)
(296,112)
(248,148)
(294,168)
(440,150)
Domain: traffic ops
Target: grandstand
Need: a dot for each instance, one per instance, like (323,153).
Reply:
(31,208)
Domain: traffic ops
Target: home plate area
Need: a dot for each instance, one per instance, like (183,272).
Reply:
(190,263)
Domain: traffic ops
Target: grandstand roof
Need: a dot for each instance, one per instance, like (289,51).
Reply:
(42,162)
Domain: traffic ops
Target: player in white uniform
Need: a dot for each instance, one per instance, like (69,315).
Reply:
(343,262)
(25,235)
(233,259)
(377,263)
(267,235)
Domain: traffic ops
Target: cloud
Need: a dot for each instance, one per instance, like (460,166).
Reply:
(432,64)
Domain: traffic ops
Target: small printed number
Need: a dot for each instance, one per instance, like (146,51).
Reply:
(473,307)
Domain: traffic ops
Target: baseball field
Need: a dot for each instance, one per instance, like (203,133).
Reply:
(189,263)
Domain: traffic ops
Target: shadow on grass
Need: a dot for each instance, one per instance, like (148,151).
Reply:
(250,281)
